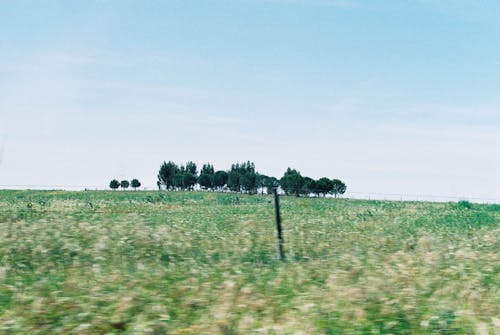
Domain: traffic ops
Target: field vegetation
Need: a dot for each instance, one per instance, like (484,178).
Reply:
(205,263)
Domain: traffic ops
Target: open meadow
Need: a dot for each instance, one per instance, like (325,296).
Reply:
(104,262)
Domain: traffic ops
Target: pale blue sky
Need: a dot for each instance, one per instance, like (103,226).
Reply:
(389,96)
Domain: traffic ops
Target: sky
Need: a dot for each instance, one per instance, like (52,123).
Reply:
(390,96)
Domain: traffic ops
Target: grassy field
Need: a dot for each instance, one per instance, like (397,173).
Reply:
(205,263)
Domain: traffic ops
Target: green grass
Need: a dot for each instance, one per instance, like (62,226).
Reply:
(205,263)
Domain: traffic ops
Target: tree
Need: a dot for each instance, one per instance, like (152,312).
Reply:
(242,177)
(292,182)
(205,181)
(206,178)
(338,187)
(188,176)
(270,183)
(191,168)
(167,173)
(233,178)
(309,186)
(135,183)
(324,186)
(248,177)
(114,184)
(124,184)
(266,183)
(189,180)
(178,178)
(220,179)
(249,182)
(184,177)
(261,182)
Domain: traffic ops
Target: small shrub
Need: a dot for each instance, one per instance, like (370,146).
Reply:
(464,204)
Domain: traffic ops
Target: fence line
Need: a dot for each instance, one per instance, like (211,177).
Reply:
(418,197)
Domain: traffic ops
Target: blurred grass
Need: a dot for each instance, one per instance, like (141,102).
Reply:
(205,263)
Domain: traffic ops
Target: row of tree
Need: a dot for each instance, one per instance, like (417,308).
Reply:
(124,184)
(293,182)
(242,177)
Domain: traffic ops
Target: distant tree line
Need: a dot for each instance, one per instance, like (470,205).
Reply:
(124,184)
(243,178)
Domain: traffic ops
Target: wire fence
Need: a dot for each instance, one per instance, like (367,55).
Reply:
(419,197)
(349,194)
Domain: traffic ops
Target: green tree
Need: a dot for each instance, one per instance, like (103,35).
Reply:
(178,178)
(292,182)
(249,182)
(114,184)
(191,168)
(190,176)
(205,181)
(270,183)
(338,187)
(124,184)
(185,177)
(233,178)
(135,183)
(220,179)
(324,186)
(309,186)
(248,177)
(261,182)
(189,181)
(206,178)
(167,173)
(266,183)
(242,177)
(178,181)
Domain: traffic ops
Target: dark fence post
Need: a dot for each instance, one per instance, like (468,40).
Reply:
(281,252)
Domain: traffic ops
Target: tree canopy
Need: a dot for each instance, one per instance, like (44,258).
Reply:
(338,187)
(114,184)
(207,176)
(220,179)
(167,173)
(324,186)
(124,184)
(135,183)
(292,182)
(242,178)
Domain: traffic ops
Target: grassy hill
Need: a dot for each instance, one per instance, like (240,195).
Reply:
(205,263)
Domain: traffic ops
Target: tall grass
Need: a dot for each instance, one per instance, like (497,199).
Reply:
(205,263)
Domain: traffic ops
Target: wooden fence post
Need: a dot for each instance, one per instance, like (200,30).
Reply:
(281,241)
